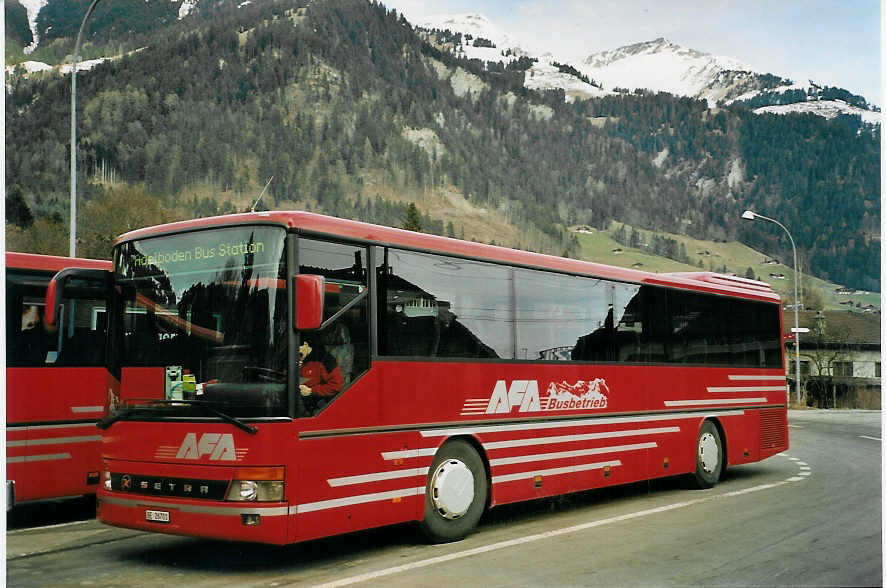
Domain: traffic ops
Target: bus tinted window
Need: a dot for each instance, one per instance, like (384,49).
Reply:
(345,269)
(675,326)
(440,306)
(560,317)
(79,339)
(210,305)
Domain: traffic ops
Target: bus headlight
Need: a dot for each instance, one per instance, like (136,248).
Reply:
(257,485)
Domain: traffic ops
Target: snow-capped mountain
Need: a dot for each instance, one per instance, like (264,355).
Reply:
(664,66)
(659,65)
(475,26)
(475,29)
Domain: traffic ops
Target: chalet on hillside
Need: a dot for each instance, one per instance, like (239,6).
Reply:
(840,362)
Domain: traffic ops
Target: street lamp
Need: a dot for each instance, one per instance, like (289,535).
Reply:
(750,215)
(72,250)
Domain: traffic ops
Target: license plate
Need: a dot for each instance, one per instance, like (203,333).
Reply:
(157,516)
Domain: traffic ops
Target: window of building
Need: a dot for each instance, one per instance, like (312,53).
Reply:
(877,370)
(842,369)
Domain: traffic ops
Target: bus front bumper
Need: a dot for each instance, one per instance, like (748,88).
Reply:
(259,523)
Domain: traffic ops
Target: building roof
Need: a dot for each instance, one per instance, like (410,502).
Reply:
(862,328)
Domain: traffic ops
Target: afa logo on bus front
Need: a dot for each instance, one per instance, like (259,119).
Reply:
(523,396)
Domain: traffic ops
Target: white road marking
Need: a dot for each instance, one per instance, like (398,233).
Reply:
(871,438)
(48,527)
(795,427)
(369,576)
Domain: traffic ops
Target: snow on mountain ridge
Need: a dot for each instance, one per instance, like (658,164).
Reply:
(663,66)
(543,75)
(474,24)
(662,45)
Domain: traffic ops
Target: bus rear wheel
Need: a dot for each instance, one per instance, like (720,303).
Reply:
(708,456)
(455,494)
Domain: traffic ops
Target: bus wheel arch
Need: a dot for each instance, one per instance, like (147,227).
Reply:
(710,454)
(456,491)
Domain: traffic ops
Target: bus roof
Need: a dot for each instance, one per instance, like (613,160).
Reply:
(319,224)
(54,263)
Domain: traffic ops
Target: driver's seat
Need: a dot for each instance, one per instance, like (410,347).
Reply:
(337,340)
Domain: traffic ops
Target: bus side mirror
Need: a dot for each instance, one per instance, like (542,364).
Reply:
(309,290)
(55,292)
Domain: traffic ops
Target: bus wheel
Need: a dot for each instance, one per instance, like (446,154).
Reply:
(708,456)
(455,494)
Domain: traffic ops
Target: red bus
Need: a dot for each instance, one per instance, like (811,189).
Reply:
(437,378)
(56,381)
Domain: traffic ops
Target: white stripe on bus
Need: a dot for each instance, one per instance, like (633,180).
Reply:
(377,477)
(555,471)
(716,389)
(352,500)
(43,457)
(87,409)
(588,422)
(760,378)
(566,454)
(234,510)
(717,401)
(90,424)
(409,453)
(54,441)
(411,472)
(492,445)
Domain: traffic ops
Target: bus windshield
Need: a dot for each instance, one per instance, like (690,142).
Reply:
(208,310)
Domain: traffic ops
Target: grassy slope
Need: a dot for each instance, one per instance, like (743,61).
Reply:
(601,247)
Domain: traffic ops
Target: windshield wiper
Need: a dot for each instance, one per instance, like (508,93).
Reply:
(118,416)
(110,420)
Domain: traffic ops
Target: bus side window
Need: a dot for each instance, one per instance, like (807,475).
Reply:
(82,340)
(441,306)
(344,268)
(28,343)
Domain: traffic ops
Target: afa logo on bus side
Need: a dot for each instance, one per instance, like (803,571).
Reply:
(523,396)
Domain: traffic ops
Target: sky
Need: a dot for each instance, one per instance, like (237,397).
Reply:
(832,42)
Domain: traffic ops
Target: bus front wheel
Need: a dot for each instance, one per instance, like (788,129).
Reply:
(455,494)
(708,456)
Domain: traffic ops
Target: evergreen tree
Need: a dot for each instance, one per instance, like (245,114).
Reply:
(412,218)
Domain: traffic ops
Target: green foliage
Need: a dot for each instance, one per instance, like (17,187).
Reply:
(412,218)
(17,28)
(319,94)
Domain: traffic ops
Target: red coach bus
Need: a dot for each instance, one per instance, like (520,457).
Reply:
(436,378)
(56,381)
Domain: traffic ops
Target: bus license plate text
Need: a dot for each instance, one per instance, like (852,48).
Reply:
(157,516)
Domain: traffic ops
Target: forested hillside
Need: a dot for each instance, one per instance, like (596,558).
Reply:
(353,114)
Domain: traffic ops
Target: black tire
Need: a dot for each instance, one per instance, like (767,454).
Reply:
(709,457)
(455,493)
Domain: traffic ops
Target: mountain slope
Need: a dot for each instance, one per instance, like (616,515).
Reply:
(353,113)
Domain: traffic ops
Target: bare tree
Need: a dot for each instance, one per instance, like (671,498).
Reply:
(825,347)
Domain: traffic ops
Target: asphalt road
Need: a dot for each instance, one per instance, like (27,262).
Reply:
(810,517)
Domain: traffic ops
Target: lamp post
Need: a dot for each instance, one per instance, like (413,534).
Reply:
(750,215)
(72,249)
